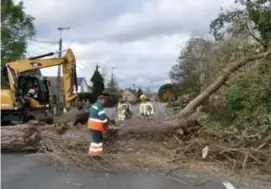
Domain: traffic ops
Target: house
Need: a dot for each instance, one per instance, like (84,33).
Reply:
(153,97)
(129,95)
(83,86)
(81,83)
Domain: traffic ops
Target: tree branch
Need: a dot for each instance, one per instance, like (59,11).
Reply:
(254,37)
(226,72)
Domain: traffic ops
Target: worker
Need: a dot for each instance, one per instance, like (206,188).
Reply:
(143,99)
(128,112)
(124,110)
(148,109)
(97,124)
(33,91)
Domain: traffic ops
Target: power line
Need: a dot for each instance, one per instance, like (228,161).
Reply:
(40,46)
(40,41)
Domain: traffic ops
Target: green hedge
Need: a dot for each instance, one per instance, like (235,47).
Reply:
(113,99)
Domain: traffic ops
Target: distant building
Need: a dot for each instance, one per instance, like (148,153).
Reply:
(153,97)
(129,95)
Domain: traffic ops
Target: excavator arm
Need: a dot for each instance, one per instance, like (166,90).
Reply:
(68,63)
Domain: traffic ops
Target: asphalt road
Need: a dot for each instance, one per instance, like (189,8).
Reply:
(20,171)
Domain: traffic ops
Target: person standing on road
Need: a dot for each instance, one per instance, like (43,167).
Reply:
(148,109)
(97,124)
(143,99)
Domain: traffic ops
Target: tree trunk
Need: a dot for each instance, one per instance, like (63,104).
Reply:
(187,125)
(220,81)
(34,137)
(21,137)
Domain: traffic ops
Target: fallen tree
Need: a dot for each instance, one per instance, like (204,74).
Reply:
(187,118)
(67,143)
(27,136)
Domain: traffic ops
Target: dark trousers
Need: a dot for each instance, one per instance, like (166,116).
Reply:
(96,136)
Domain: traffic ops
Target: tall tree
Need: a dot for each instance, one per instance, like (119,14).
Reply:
(188,72)
(16,28)
(169,87)
(97,82)
(112,85)
(139,92)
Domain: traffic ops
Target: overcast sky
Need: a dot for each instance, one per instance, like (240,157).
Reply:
(141,38)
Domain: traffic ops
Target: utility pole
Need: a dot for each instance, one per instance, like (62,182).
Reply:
(112,74)
(112,82)
(58,110)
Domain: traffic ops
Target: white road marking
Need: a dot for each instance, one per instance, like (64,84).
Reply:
(228,185)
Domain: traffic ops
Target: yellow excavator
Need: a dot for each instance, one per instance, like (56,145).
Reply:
(28,96)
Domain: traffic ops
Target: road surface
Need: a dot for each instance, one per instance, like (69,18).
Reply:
(20,171)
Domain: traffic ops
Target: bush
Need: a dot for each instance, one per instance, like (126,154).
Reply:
(113,99)
(88,96)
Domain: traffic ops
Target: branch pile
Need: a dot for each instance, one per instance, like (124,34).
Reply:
(238,150)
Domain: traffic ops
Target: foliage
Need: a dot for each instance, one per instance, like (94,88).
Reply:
(167,92)
(254,16)
(87,96)
(16,28)
(191,73)
(112,85)
(114,99)
(91,97)
(245,100)
(97,82)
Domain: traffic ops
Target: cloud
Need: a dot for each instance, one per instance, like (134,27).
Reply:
(142,39)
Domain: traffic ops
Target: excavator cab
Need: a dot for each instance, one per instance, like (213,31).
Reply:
(35,87)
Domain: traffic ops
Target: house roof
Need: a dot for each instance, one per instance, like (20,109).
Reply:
(80,80)
(131,90)
(53,80)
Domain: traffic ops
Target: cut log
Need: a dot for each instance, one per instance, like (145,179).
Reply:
(21,137)
(30,137)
